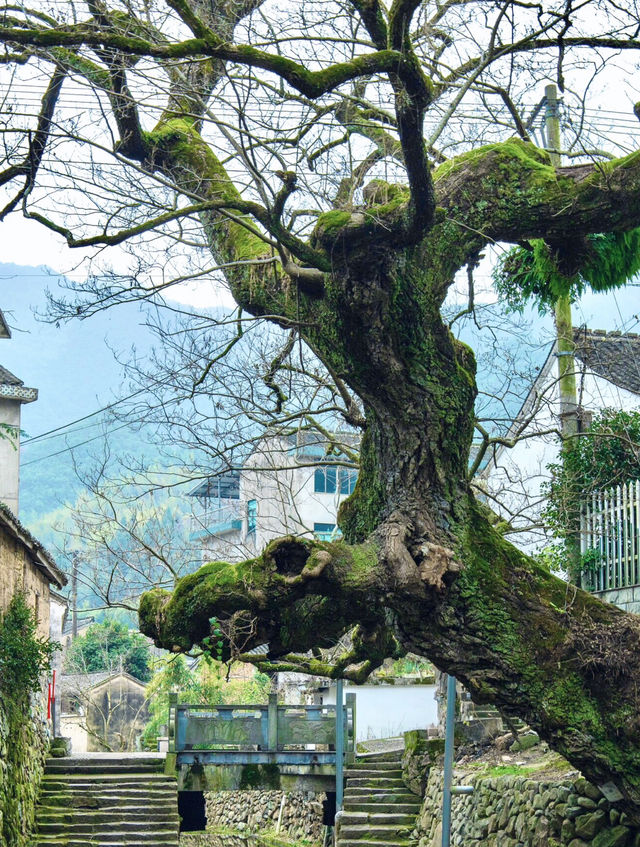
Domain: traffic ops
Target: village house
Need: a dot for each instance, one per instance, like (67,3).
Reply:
(288,485)
(102,711)
(607,369)
(25,565)
(13,393)
(27,568)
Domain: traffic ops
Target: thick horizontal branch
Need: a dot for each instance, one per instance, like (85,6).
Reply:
(309,83)
(511,192)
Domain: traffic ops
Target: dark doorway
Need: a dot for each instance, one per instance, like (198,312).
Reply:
(191,809)
(329,809)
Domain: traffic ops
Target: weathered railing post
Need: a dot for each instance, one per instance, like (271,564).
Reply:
(449,741)
(272,722)
(339,744)
(172,722)
(350,700)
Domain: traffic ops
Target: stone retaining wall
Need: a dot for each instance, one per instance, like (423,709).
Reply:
(256,811)
(214,839)
(22,754)
(514,811)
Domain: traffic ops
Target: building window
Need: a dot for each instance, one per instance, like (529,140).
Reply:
(325,480)
(324,531)
(252,516)
(226,486)
(347,478)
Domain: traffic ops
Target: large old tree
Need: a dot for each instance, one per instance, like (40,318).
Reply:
(276,129)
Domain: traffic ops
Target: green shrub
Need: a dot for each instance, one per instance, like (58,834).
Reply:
(24,655)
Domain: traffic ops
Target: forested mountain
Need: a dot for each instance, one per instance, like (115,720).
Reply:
(74,368)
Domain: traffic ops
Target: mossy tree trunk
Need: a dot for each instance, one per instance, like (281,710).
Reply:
(421,568)
(426,572)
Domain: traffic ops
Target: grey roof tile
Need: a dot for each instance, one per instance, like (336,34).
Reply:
(615,356)
(7,378)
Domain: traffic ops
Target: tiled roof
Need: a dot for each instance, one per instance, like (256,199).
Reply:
(7,378)
(5,332)
(615,356)
(81,622)
(76,683)
(40,557)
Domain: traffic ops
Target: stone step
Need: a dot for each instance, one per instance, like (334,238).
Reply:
(150,762)
(98,768)
(376,765)
(125,841)
(95,776)
(110,807)
(364,842)
(155,787)
(49,817)
(379,832)
(383,808)
(383,795)
(89,793)
(388,756)
(376,819)
(376,782)
(361,773)
(95,788)
(115,836)
(103,828)
(85,805)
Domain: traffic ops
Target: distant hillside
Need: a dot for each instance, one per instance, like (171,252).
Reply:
(75,371)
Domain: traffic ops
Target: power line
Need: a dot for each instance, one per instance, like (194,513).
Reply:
(73,446)
(84,418)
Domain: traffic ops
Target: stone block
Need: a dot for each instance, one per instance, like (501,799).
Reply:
(525,742)
(567,831)
(590,824)
(617,836)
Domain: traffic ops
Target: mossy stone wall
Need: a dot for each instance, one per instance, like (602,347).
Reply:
(300,814)
(516,811)
(23,745)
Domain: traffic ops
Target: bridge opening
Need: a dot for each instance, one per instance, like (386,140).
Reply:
(192,811)
(329,809)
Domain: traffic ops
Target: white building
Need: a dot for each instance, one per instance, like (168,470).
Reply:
(387,708)
(607,377)
(287,486)
(13,394)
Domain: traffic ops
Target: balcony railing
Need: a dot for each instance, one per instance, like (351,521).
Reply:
(218,521)
(610,535)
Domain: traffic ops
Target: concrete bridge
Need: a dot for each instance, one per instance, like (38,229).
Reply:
(230,747)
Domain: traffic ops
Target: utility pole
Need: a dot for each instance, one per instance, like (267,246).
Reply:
(74,596)
(563,323)
(565,348)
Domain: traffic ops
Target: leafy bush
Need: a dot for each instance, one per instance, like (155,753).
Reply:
(207,684)
(24,655)
(600,262)
(109,646)
(605,456)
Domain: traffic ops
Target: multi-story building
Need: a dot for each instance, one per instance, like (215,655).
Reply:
(288,485)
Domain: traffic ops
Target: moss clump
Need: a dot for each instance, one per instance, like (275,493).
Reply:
(330,223)
(504,155)
(260,776)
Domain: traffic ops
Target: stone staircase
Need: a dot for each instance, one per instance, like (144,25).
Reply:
(107,800)
(378,808)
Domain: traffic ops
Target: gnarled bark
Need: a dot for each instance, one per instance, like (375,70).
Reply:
(421,568)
